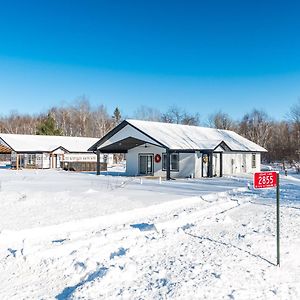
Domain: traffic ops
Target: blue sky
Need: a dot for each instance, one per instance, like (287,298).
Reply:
(203,56)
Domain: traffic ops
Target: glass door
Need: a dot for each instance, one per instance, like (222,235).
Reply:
(204,165)
(146,164)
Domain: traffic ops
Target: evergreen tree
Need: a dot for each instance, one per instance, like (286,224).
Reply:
(117,115)
(48,127)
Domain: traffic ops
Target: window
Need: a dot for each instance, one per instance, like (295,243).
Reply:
(174,162)
(31,159)
(164,161)
(253,161)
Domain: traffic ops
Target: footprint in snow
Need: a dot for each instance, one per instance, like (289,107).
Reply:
(121,252)
(218,276)
(187,226)
(60,241)
(12,252)
(144,226)
(79,266)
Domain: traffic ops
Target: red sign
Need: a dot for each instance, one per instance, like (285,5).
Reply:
(264,180)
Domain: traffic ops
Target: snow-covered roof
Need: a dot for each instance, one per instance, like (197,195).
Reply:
(46,143)
(183,137)
(177,136)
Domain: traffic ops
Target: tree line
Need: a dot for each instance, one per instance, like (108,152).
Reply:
(280,138)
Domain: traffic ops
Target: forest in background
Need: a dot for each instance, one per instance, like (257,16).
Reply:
(280,138)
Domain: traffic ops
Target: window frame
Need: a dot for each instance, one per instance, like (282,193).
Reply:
(253,161)
(164,155)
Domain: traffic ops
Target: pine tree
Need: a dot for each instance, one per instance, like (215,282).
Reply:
(117,115)
(48,127)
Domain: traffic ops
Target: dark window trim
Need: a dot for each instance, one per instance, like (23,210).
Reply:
(164,159)
(146,154)
(253,161)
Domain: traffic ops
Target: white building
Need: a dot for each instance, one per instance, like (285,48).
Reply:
(44,152)
(172,150)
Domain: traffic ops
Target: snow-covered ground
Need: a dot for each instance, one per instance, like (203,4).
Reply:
(80,236)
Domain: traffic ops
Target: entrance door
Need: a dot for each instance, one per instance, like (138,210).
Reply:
(209,164)
(59,158)
(214,162)
(204,165)
(146,164)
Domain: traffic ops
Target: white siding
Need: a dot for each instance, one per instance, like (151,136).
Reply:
(127,131)
(240,163)
(186,162)
(186,165)
(132,159)
(216,164)
(190,164)
(198,165)
(46,161)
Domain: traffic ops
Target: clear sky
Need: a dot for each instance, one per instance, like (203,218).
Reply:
(203,56)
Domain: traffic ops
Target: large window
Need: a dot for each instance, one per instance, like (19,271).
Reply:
(174,162)
(31,159)
(253,161)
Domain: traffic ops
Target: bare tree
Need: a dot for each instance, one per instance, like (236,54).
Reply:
(280,143)
(294,117)
(19,124)
(179,116)
(221,120)
(256,126)
(81,114)
(295,113)
(102,123)
(147,113)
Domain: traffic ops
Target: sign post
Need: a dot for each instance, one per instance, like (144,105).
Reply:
(278,221)
(264,180)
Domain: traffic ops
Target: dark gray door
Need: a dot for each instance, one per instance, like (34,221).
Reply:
(146,164)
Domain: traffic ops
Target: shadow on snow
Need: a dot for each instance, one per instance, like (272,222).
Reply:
(68,291)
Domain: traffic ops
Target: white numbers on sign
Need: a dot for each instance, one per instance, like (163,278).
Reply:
(265,180)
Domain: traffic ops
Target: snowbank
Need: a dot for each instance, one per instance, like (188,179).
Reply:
(78,236)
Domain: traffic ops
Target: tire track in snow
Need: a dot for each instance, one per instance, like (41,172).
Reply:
(120,235)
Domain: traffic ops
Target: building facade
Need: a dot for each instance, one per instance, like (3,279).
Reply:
(51,152)
(179,151)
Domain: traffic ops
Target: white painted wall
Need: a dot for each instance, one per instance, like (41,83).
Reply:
(186,162)
(216,164)
(191,163)
(132,159)
(127,131)
(46,161)
(186,165)
(240,163)
(198,165)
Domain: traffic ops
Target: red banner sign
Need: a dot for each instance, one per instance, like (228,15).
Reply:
(264,180)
